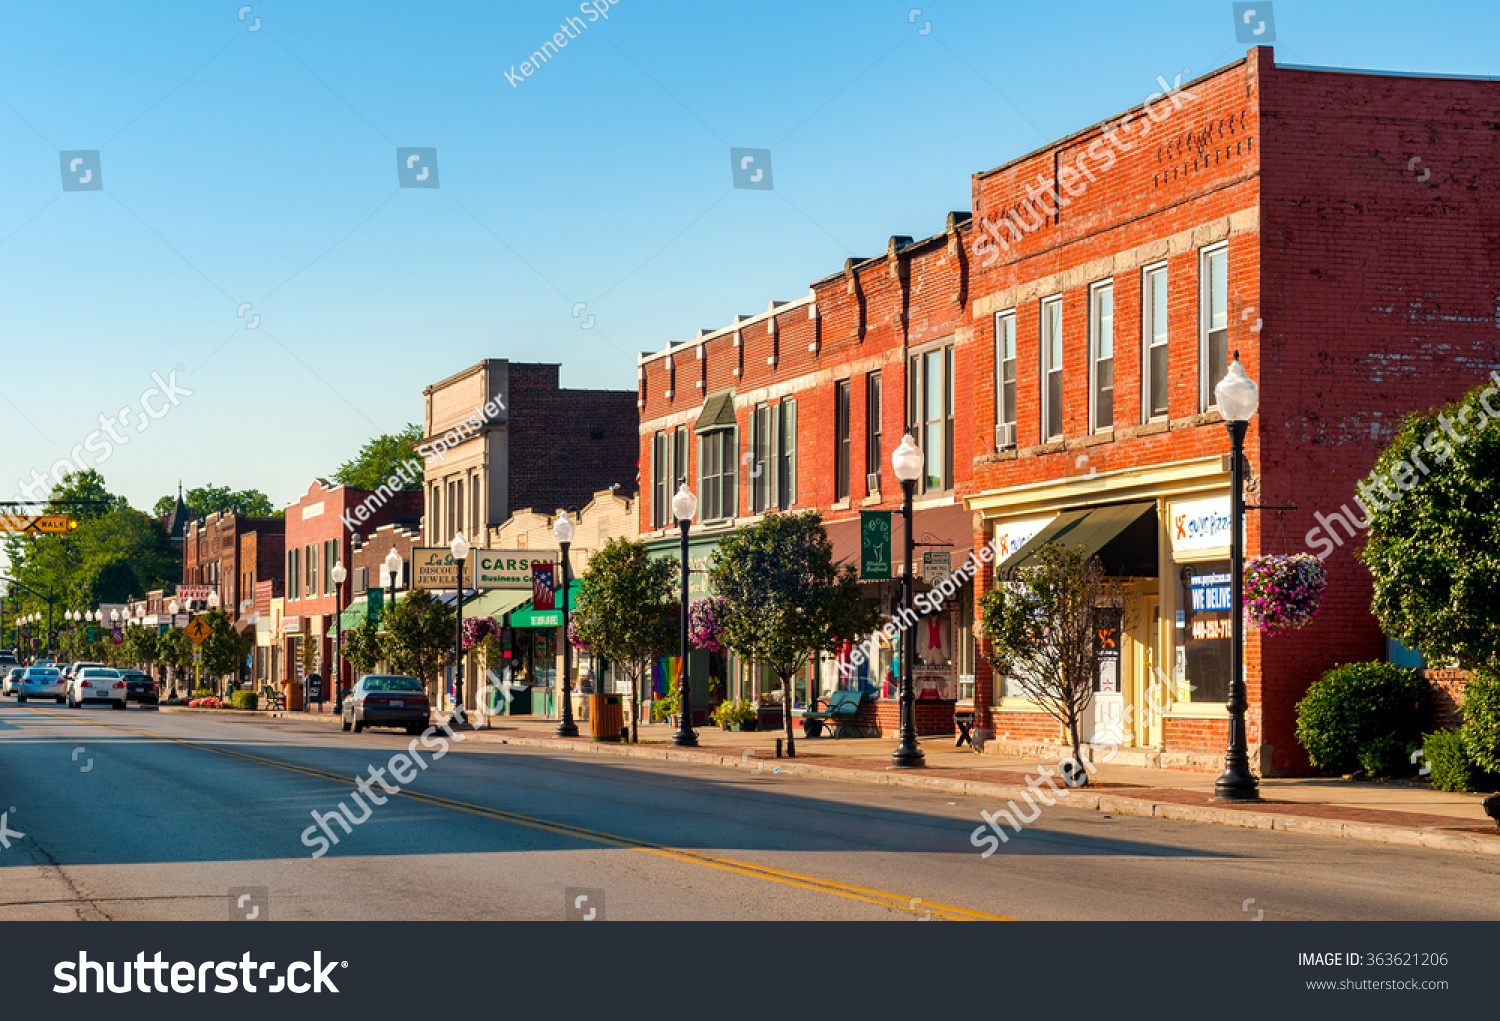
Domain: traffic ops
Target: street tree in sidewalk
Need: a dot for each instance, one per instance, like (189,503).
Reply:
(1041,628)
(1434,540)
(362,648)
(784,599)
(138,646)
(174,650)
(418,639)
(625,612)
(224,649)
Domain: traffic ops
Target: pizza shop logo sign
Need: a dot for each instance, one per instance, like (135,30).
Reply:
(1210,528)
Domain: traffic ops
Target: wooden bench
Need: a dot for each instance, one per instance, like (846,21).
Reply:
(841,711)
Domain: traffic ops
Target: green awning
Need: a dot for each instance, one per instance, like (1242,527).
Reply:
(354,614)
(528,617)
(496,602)
(1094,529)
(718,411)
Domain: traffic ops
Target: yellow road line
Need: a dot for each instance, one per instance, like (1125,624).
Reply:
(880,898)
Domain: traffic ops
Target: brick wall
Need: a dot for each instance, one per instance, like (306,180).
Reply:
(566,445)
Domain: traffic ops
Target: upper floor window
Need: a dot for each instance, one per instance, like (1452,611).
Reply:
(841,440)
(718,461)
(660,474)
(1101,356)
(1213,321)
(1052,369)
(1154,340)
(679,457)
(786,453)
(294,574)
(929,390)
(873,460)
(310,569)
(1005,380)
(773,455)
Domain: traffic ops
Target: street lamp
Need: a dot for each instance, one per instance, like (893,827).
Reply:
(114,615)
(459,547)
(173,607)
(906,460)
(338,574)
(684,509)
(562,530)
(213,600)
(1237,397)
(392,568)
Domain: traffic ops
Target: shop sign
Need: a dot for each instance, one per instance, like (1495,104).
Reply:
(1011,537)
(1200,524)
(875,545)
(1107,648)
(507,569)
(186,592)
(937,565)
(544,588)
(1209,593)
(433,568)
(291,625)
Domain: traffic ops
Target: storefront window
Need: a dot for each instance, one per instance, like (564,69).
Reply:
(1204,638)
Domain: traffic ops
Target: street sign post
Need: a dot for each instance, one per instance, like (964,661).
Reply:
(43,524)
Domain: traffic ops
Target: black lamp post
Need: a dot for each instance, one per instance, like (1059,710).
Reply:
(459,547)
(684,509)
(338,574)
(562,528)
(1237,398)
(906,460)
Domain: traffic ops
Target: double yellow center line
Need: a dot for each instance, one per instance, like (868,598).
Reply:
(881,898)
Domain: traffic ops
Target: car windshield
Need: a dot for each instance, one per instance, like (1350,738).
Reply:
(41,673)
(392,684)
(99,673)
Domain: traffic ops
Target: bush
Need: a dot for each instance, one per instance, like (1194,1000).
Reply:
(1452,769)
(1388,756)
(203,693)
(1481,728)
(245,699)
(1357,703)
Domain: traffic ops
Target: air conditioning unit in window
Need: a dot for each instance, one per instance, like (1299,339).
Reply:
(1005,435)
(872,482)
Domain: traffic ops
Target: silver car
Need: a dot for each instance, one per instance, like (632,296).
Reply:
(8,682)
(42,682)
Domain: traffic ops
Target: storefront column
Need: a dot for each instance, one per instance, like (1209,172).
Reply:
(984,683)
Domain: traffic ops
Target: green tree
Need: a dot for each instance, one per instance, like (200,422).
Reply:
(205,500)
(626,611)
(362,648)
(85,485)
(1041,627)
(138,646)
(418,639)
(174,649)
(224,649)
(379,459)
(785,599)
(1434,542)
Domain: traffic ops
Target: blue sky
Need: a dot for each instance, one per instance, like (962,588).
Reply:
(259,166)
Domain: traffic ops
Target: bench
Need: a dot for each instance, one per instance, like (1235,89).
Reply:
(841,710)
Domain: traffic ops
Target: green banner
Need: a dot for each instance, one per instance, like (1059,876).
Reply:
(875,545)
(374,599)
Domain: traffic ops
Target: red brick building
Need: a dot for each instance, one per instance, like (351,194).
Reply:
(1056,356)
(232,553)
(319,534)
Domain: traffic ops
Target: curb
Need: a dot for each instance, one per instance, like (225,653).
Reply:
(1368,832)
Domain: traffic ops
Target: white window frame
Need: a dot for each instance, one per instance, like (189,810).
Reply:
(1096,355)
(1045,336)
(1206,370)
(1008,319)
(1148,314)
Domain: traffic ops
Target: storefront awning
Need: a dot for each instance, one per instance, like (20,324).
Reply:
(354,614)
(953,524)
(528,617)
(496,602)
(1123,536)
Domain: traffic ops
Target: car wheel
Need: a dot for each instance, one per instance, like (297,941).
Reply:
(21,699)
(413,729)
(60,700)
(346,724)
(359,726)
(121,705)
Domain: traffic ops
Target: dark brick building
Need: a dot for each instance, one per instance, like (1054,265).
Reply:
(232,553)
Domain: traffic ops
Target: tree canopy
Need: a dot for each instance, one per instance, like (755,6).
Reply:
(1434,541)
(419,636)
(205,500)
(379,458)
(785,599)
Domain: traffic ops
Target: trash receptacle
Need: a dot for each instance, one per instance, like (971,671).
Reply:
(606,717)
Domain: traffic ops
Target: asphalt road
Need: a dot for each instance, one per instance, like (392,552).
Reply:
(145,815)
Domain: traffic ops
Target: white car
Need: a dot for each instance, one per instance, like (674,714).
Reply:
(8,682)
(41,682)
(96,685)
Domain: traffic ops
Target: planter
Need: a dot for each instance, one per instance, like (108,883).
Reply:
(746,727)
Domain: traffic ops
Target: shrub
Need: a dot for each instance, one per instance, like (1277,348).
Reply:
(1451,768)
(1481,728)
(1357,703)
(1388,756)
(665,706)
(736,712)
(245,699)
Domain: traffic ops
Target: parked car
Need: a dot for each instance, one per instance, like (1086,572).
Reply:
(139,687)
(93,685)
(384,700)
(70,670)
(41,682)
(8,659)
(8,682)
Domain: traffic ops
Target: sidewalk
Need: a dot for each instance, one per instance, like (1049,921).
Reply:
(1398,812)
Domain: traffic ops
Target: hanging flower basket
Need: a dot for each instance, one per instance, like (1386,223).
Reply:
(478,630)
(1283,592)
(573,638)
(706,623)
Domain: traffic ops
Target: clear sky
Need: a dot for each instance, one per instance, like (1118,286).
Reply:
(253,159)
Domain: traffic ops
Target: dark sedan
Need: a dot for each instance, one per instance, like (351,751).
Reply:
(139,687)
(383,700)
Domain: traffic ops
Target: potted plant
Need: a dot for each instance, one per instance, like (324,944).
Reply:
(1283,592)
(736,714)
(665,708)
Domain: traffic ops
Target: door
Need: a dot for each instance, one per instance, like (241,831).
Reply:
(1109,683)
(1151,678)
